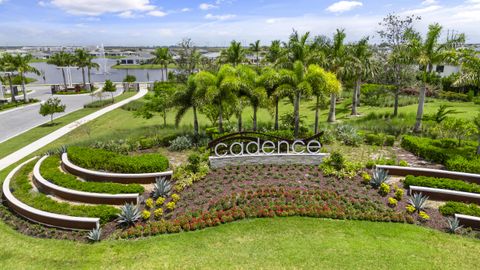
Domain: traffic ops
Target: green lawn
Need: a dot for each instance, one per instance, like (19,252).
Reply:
(146,66)
(36,133)
(278,243)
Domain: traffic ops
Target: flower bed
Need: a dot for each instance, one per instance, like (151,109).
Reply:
(444,183)
(451,208)
(22,190)
(50,170)
(99,159)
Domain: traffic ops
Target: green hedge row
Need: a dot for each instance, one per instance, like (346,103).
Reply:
(451,208)
(462,164)
(99,159)
(444,183)
(380,139)
(424,148)
(22,190)
(50,171)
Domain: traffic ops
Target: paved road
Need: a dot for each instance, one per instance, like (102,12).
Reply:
(16,121)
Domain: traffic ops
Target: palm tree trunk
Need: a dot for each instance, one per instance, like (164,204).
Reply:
(358,94)
(220,118)
(64,78)
(11,87)
(22,77)
(195,122)
(358,83)
(276,113)
(83,76)
(255,108)
(421,102)
(331,113)
(89,78)
(395,104)
(296,112)
(317,104)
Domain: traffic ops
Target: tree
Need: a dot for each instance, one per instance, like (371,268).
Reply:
(189,59)
(274,52)
(427,52)
(6,65)
(256,48)
(81,61)
(476,122)
(90,65)
(235,54)
(470,72)
(361,67)
(22,66)
(160,102)
(61,59)
(50,107)
(394,35)
(458,128)
(186,98)
(270,80)
(163,57)
(109,87)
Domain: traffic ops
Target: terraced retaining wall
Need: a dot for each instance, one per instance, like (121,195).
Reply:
(415,171)
(446,195)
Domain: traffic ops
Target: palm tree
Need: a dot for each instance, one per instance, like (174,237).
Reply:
(274,52)
(235,54)
(81,61)
(256,48)
(470,72)
(218,89)
(6,65)
(61,59)
(90,65)
(252,89)
(427,53)
(162,56)
(270,80)
(22,66)
(186,98)
(361,68)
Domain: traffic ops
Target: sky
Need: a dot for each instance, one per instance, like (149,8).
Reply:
(215,22)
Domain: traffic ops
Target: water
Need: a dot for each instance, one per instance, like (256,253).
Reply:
(53,75)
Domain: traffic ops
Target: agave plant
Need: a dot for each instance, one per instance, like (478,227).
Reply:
(453,225)
(161,188)
(418,201)
(379,176)
(95,234)
(129,214)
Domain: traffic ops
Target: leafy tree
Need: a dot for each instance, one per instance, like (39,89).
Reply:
(458,128)
(162,56)
(186,98)
(109,87)
(256,48)
(130,79)
(21,63)
(361,68)
(235,54)
(160,102)
(189,59)
(427,52)
(50,107)
(61,59)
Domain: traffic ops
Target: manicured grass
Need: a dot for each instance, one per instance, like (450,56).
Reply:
(278,243)
(36,133)
(146,66)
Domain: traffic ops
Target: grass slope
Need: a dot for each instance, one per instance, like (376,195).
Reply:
(278,243)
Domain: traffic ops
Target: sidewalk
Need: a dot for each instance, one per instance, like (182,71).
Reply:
(38,144)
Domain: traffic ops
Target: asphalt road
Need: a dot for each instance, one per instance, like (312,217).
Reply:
(16,121)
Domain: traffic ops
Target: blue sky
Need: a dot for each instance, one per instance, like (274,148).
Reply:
(213,22)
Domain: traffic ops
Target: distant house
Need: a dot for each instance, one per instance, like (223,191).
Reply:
(133,60)
(445,70)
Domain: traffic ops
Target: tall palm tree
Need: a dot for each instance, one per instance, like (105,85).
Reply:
(91,65)
(61,59)
(252,89)
(162,56)
(218,89)
(185,98)
(256,48)
(428,52)
(22,66)
(234,54)
(270,79)
(6,65)
(274,52)
(470,72)
(361,67)
(81,61)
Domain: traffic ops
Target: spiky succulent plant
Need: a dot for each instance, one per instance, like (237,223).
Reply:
(95,235)
(418,201)
(162,187)
(129,214)
(379,176)
(453,225)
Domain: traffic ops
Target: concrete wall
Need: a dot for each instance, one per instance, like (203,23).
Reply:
(276,159)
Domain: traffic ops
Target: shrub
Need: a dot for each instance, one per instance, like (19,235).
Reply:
(452,96)
(159,202)
(403,163)
(348,135)
(129,214)
(462,164)
(366,177)
(384,189)
(175,197)
(399,193)
(392,202)
(170,206)
(158,213)
(379,139)
(95,235)
(338,166)
(50,171)
(444,183)
(99,159)
(418,201)
(379,161)
(410,209)
(98,103)
(180,143)
(453,225)
(149,203)
(146,214)
(22,189)
(337,160)
(379,177)
(423,216)
(162,187)
(451,208)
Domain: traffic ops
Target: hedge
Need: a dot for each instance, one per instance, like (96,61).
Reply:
(451,208)
(21,188)
(380,139)
(462,164)
(444,183)
(51,172)
(99,159)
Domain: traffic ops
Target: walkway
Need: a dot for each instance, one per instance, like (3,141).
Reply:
(34,146)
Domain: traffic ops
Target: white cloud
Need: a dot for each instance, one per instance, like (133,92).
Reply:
(126,14)
(342,6)
(270,21)
(206,6)
(40,3)
(429,2)
(157,13)
(186,9)
(98,7)
(421,11)
(219,17)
